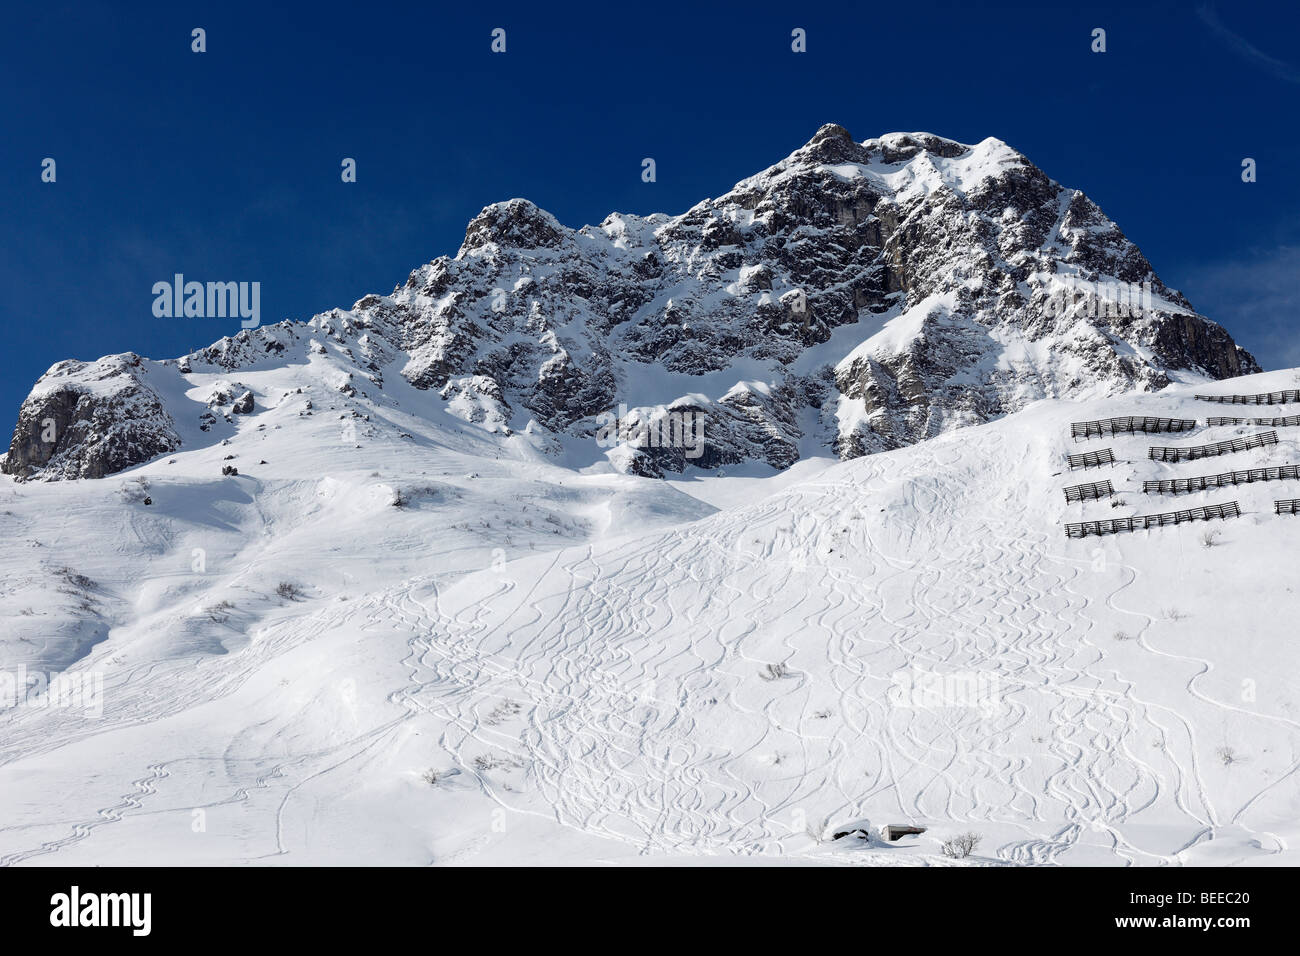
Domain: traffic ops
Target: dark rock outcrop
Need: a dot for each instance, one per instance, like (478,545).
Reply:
(88,420)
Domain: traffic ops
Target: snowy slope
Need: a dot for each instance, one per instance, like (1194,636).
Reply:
(599,667)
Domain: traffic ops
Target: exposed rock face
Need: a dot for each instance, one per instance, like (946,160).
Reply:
(978,283)
(88,420)
(855,297)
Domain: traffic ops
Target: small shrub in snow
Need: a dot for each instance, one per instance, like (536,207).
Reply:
(961,846)
(79,581)
(288,591)
(219,613)
(402,497)
(774,672)
(501,713)
(1123,636)
(1210,537)
(1226,754)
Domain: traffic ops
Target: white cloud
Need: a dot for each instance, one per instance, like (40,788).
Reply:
(1243,47)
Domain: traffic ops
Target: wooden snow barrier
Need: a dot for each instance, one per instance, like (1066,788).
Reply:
(1133,423)
(1093,459)
(1081,529)
(1287,422)
(1095,489)
(1287,506)
(1178,486)
(1191,453)
(1264,398)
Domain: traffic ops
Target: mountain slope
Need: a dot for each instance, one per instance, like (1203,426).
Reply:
(852,298)
(907,637)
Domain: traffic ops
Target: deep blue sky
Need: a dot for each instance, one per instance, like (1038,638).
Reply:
(225,165)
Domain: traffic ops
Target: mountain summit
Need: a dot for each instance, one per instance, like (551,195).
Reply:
(853,298)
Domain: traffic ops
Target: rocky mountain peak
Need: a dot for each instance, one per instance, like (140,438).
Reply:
(851,298)
(515,223)
(831,144)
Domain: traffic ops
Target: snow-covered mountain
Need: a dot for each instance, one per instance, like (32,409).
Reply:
(855,297)
(371,588)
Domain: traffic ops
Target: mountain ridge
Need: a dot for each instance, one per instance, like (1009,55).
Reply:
(852,298)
